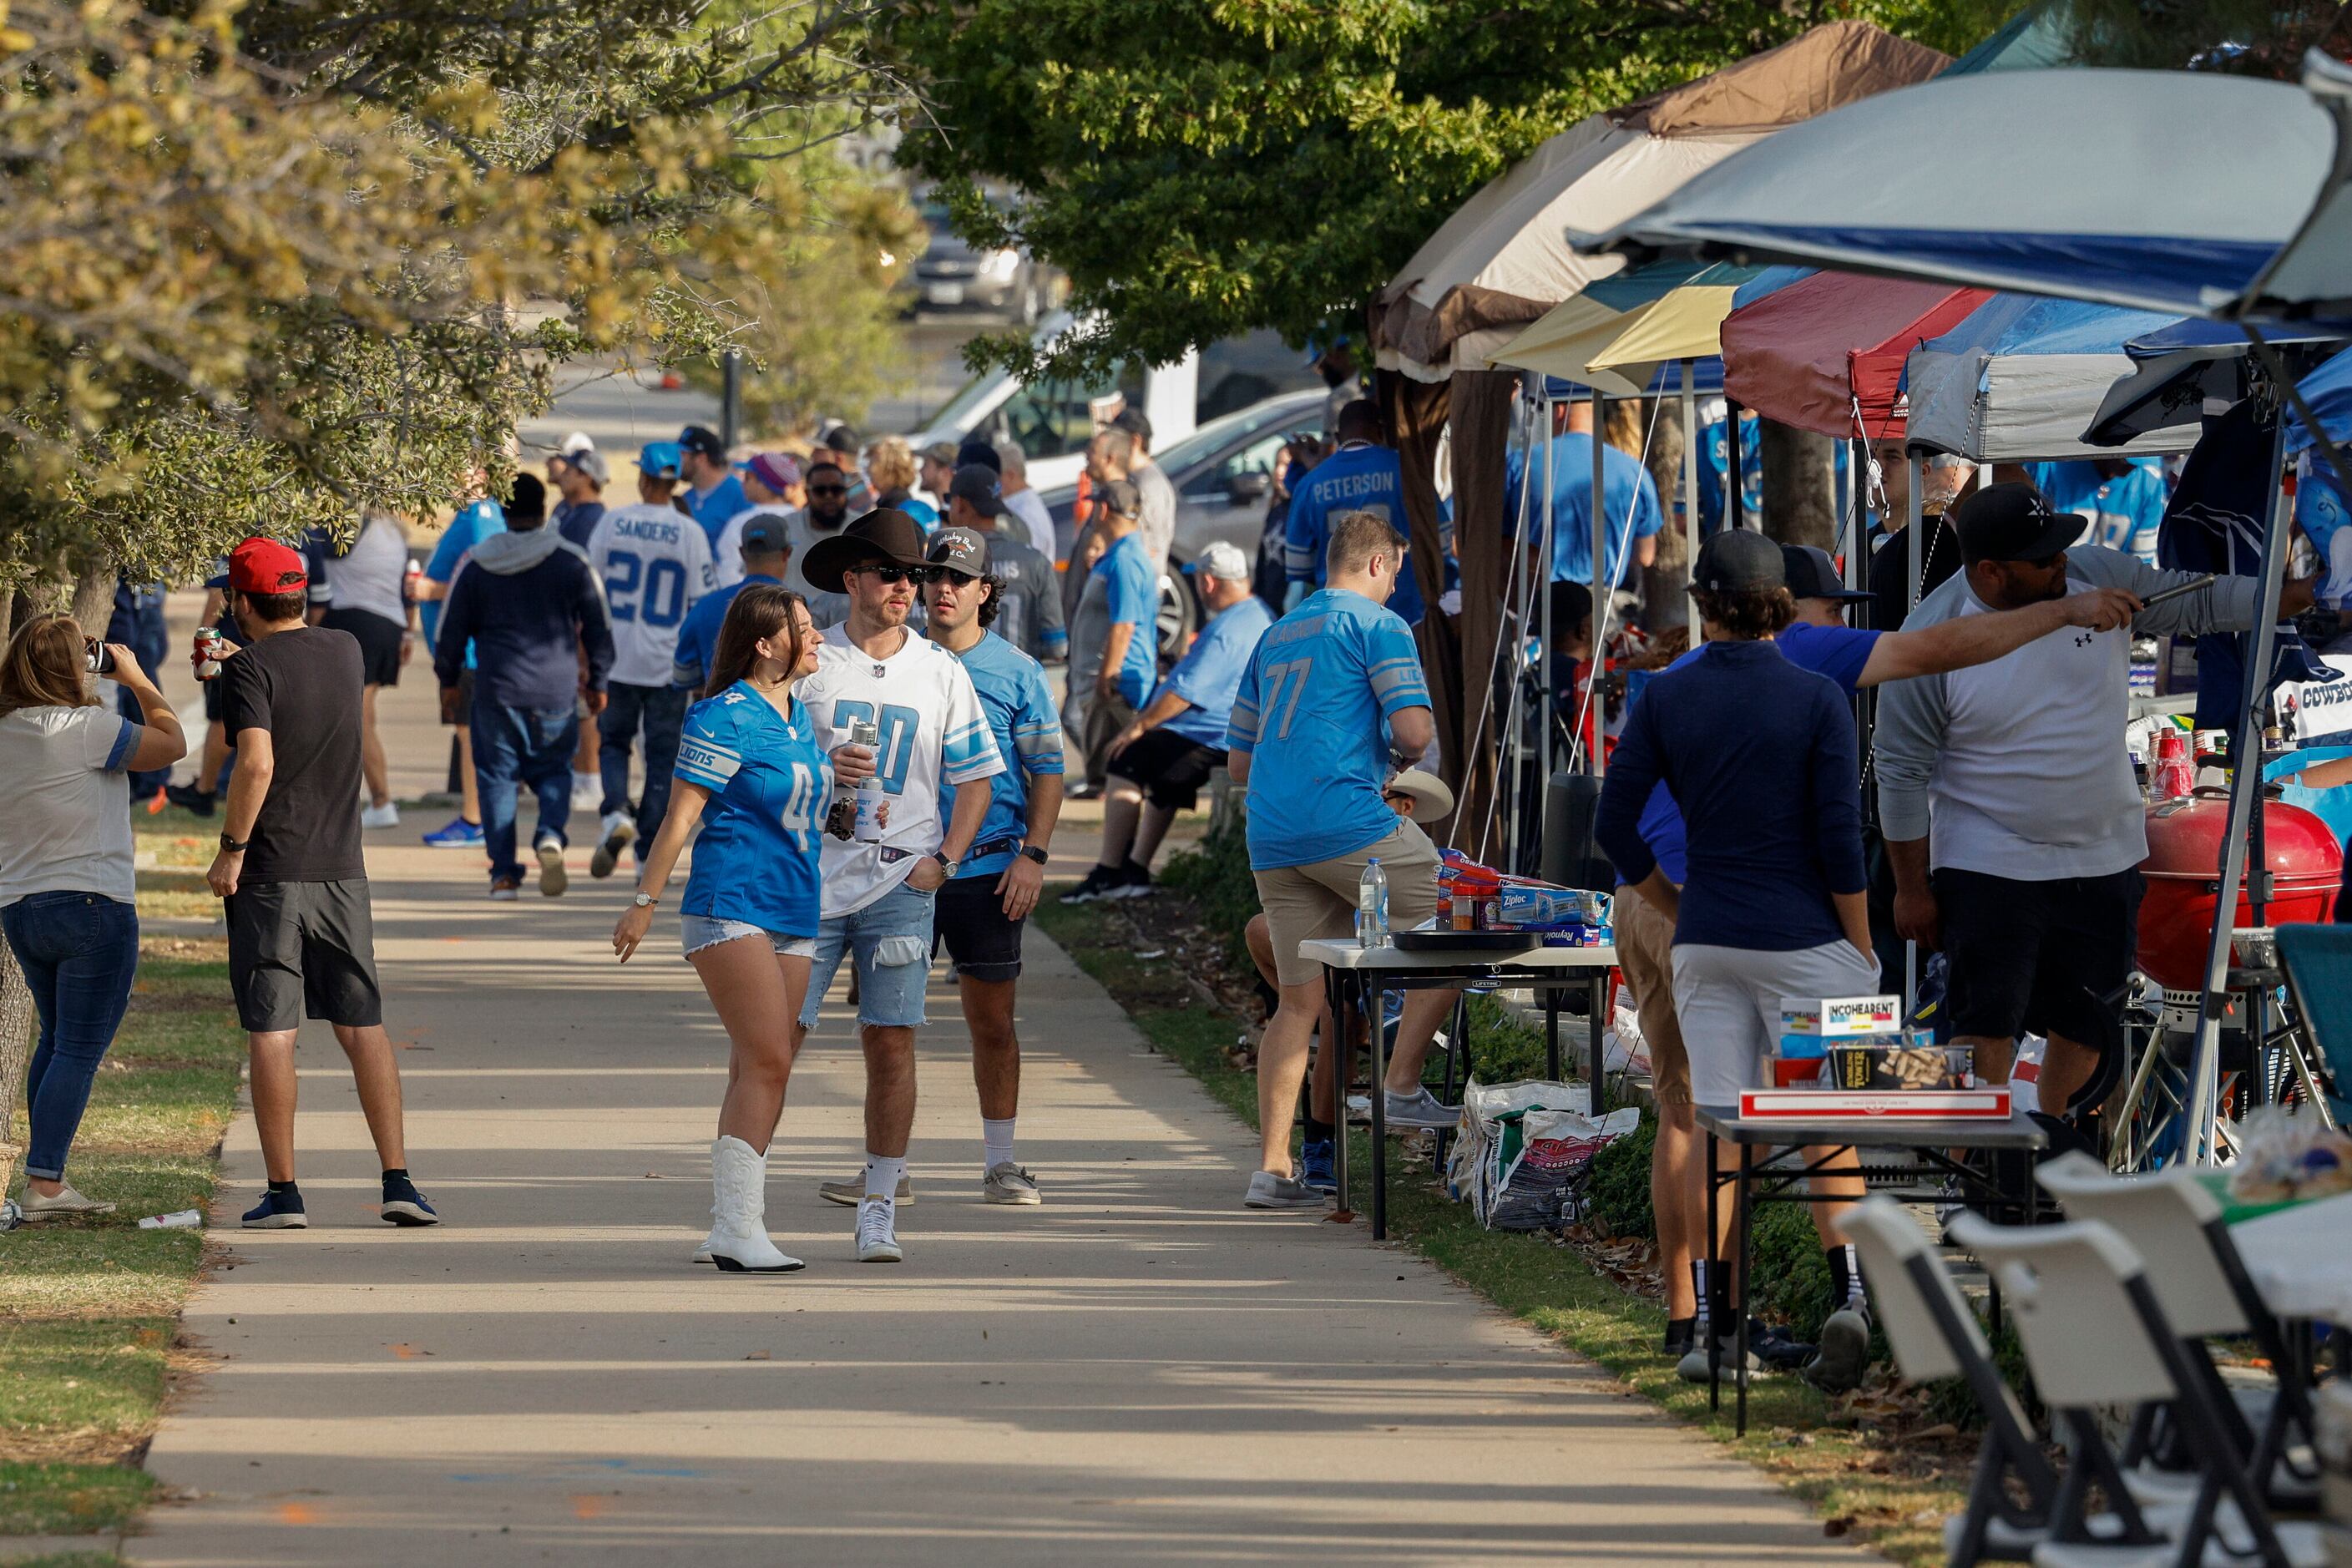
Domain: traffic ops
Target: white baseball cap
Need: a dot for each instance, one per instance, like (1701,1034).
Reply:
(1222,559)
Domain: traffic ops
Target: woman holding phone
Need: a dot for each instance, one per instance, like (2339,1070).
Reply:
(68,891)
(750,771)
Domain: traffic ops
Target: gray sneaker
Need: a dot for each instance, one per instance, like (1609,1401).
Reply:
(1845,1353)
(1419,1110)
(1010,1184)
(1268,1191)
(1692,1368)
(852,1193)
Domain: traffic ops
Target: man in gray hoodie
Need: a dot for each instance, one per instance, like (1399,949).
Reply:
(2006,798)
(530,604)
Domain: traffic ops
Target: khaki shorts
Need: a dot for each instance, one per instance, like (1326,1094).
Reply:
(1646,952)
(1303,904)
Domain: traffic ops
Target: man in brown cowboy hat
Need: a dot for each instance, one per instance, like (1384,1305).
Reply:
(933,735)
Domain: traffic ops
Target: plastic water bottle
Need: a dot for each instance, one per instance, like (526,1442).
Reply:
(1372,905)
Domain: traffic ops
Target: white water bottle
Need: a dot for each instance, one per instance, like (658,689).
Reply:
(1372,906)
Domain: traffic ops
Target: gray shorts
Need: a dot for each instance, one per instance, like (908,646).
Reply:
(1727,1001)
(303,949)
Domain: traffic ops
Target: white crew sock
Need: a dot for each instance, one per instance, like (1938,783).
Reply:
(883,1176)
(996,1137)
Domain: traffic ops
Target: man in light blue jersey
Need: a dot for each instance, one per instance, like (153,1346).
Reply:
(982,908)
(1170,750)
(1332,706)
(1361,476)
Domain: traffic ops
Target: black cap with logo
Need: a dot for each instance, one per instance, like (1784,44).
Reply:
(2013,521)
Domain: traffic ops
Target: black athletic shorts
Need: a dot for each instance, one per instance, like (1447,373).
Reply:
(298,949)
(968,920)
(379,642)
(2049,957)
(1168,768)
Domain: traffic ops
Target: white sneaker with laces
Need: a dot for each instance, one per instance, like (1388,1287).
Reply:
(384,815)
(878,1231)
(1010,1184)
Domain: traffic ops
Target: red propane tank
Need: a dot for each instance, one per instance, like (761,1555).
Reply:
(2183,872)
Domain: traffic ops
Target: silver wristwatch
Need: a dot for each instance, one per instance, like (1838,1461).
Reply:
(644,900)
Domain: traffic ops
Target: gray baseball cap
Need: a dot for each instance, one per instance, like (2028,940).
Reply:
(960,549)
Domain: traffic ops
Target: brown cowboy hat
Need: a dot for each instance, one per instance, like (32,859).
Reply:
(885,536)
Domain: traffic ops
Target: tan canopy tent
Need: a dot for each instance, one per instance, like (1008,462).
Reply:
(1503,258)
(1503,261)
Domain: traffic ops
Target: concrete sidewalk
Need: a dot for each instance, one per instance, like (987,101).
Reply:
(1139,1372)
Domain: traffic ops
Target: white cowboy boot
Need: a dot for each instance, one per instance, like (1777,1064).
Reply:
(739,1242)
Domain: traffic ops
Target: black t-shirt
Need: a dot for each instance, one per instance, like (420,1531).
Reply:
(303,687)
(1890,571)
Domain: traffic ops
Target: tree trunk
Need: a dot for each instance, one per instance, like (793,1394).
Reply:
(1666,582)
(93,599)
(1799,475)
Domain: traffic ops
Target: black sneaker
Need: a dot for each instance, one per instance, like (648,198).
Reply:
(189,799)
(403,1204)
(1682,1337)
(277,1211)
(1134,882)
(1102,883)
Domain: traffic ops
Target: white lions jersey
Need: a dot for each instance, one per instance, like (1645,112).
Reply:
(934,735)
(655,562)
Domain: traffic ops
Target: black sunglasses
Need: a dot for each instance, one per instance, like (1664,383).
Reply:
(902,573)
(949,574)
(828,490)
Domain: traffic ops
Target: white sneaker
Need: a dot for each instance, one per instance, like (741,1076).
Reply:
(552,878)
(1010,1184)
(618,829)
(587,791)
(878,1231)
(384,815)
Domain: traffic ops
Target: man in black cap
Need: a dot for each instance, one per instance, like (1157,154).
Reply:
(935,755)
(2007,798)
(1026,608)
(713,492)
(1159,492)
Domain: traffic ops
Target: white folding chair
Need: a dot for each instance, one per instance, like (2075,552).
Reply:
(1934,1334)
(2175,1224)
(2095,1336)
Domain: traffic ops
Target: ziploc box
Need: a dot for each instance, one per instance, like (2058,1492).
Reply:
(1840,1017)
(1518,904)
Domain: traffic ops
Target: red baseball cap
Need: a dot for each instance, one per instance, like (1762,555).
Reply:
(266,566)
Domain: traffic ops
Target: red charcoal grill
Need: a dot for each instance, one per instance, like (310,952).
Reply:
(2184,885)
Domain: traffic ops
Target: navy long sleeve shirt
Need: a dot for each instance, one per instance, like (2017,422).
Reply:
(1761,755)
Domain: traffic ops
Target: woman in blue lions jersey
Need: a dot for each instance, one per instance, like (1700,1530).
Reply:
(750,771)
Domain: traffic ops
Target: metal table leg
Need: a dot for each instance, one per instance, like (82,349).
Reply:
(1739,1219)
(1551,1035)
(1374,999)
(1335,997)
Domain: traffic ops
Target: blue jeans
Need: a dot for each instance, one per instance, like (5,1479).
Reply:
(78,952)
(889,943)
(530,746)
(661,709)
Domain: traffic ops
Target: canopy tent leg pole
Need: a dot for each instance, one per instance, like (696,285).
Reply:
(2203,1131)
(1549,700)
(1603,594)
(1735,487)
(1690,498)
(1915,521)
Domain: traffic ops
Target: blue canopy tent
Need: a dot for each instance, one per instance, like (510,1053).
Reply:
(2182,371)
(2191,194)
